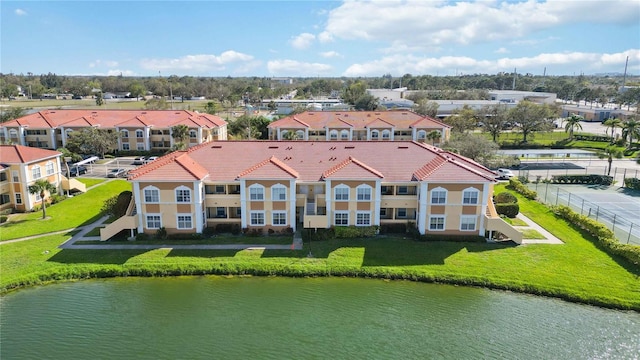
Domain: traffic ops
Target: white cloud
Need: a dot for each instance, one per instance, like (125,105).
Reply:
(121,72)
(303,41)
(21,12)
(330,54)
(502,51)
(107,63)
(325,37)
(556,63)
(199,63)
(297,68)
(435,23)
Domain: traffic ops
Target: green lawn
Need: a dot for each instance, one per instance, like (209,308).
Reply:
(217,240)
(515,221)
(90,181)
(73,212)
(532,234)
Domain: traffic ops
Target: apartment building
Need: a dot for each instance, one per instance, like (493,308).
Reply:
(279,185)
(358,125)
(141,130)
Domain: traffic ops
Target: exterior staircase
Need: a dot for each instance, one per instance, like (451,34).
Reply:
(128,221)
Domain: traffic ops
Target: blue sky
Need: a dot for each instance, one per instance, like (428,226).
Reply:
(318,38)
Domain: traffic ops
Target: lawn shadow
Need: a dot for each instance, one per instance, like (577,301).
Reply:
(89,256)
(629,192)
(203,253)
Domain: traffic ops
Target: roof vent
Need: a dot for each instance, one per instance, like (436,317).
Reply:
(273,147)
(216,147)
(349,147)
(403,147)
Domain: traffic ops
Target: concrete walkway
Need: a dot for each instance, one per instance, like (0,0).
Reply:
(549,238)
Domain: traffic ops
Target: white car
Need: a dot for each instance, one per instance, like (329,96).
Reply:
(505,174)
(150,159)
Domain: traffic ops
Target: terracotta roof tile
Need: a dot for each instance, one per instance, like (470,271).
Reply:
(271,168)
(352,169)
(360,119)
(18,154)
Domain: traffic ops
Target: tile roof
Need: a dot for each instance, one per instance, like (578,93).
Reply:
(400,161)
(111,118)
(18,154)
(403,119)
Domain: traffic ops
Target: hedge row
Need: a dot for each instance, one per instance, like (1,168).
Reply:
(352,232)
(591,137)
(632,183)
(605,238)
(509,210)
(590,179)
(517,186)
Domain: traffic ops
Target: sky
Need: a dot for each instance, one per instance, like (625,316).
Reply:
(319,38)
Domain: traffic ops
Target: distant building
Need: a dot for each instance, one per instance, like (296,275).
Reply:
(509,96)
(595,114)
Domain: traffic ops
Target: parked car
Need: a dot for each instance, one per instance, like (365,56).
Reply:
(139,160)
(114,173)
(77,170)
(151,158)
(505,174)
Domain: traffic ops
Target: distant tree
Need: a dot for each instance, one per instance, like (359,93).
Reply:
(496,117)
(473,146)
(530,117)
(366,102)
(212,108)
(9,90)
(156,104)
(136,89)
(462,120)
(631,130)
(91,140)
(427,108)
(42,187)
(352,93)
(11,113)
(99,99)
(433,136)
(571,123)
(612,124)
(180,134)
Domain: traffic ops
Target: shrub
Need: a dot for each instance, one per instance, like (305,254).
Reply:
(632,183)
(454,238)
(3,218)
(399,228)
(351,232)
(516,185)
(604,237)
(505,197)
(318,234)
(56,198)
(142,236)
(591,179)
(509,210)
(208,231)
(161,234)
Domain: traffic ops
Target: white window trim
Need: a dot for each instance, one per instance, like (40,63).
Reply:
(33,172)
(141,134)
(182,187)
(256,186)
(446,196)
(333,134)
(341,212)
(146,221)
(273,213)
(344,134)
(421,134)
(178,221)
(15,177)
(124,134)
(144,195)
(125,146)
(50,166)
(193,134)
(13,133)
(258,212)
(363,213)
(364,187)
(406,213)
(387,133)
(469,217)
(444,222)
(278,187)
(18,197)
(140,146)
(335,191)
(375,134)
(471,190)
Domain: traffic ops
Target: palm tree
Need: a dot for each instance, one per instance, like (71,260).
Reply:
(572,122)
(179,133)
(42,186)
(631,130)
(610,152)
(433,136)
(612,124)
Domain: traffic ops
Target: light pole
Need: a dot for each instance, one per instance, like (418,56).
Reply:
(309,255)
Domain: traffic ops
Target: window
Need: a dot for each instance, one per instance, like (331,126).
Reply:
(333,134)
(299,134)
(14,176)
(183,194)
(436,223)
(364,193)
(403,190)
(4,199)
(344,134)
(124,134)
(342,193)
(3,176)
(38,197)
(140,146)
(422,134)
(139,133)
(125,146)
(256,193)
(341,219)
(13,133)
(35,172)
(402,213)
(49,168)
(375,134)
(18,198)
(151,195)
(193,134)
(283,134)
(153,222)
(219,189)
(439,196)
(257,218)
(363,219)
(383,212)
(470,196)
(279,218)
(467,223)
(278,193)
(184,221)
(386,134)
(221,212)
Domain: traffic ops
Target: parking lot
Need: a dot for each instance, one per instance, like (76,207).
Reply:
(103,169)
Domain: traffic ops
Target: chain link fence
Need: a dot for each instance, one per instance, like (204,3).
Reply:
(627,230)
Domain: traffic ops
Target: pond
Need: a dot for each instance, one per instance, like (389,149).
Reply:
(274,318)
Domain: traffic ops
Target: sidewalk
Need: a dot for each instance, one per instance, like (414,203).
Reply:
(549,238)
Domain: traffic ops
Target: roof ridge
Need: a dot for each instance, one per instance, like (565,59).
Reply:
(47,120)
(182,158)
(273,160)
(430,167)
(348,161)
(161,161)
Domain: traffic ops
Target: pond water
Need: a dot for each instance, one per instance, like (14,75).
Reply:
(275,318)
